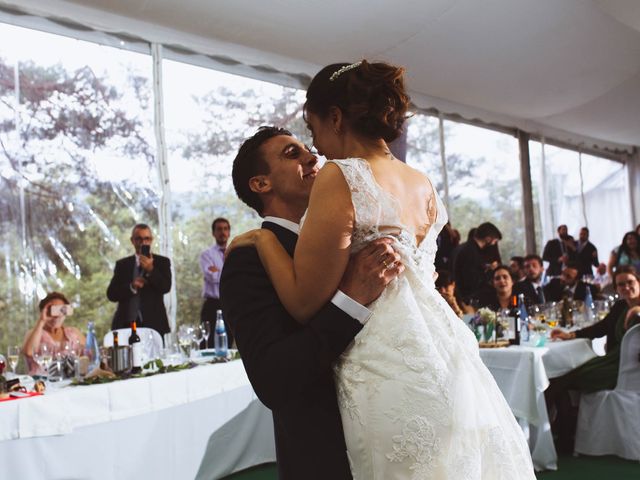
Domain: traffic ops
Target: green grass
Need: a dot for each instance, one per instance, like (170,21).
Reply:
(593,468)
(569,468)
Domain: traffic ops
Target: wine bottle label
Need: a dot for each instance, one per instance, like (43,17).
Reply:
(513,325)
(136,355)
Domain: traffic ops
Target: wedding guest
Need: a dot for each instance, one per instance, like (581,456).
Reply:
(559,251)
(627,253)
(50,331)
(516,265)
(500,295)
(139,284)
(447,241)
(602,279)
(531,286)
(568,284)
(586,253)
(447,288)
(470,266)
(600,373)
(211,263)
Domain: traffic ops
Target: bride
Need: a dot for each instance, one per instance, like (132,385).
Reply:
(415,399)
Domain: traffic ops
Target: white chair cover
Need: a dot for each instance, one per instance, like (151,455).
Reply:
(609,420)
(150,339)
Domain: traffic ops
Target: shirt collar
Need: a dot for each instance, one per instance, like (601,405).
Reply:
(288,224)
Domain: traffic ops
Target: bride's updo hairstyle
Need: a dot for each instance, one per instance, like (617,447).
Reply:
(371,96)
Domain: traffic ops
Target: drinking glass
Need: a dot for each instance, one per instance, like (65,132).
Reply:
(206,333)
(46,357)
(13,357)
(196,335)
(185,338)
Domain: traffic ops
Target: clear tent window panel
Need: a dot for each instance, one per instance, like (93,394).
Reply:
(483,171)
(580,190)
(77,166)
(208,114)
(423,149)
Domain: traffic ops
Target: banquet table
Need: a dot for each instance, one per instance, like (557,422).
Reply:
(152,427)
(522,374)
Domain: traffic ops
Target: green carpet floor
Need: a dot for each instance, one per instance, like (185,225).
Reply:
(569,468)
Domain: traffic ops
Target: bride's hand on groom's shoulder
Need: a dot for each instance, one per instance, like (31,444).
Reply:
(249,238)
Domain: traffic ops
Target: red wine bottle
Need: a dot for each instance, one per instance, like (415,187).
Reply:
(136,349)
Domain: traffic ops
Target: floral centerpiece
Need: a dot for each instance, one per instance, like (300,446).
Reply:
(483,324)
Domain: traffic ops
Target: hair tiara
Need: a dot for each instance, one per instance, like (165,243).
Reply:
(346,68)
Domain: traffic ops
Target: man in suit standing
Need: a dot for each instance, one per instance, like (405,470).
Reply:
(290,364)
(531,286)
(470,268)
(567,284)
(139,283)
(559,251)
(586,253)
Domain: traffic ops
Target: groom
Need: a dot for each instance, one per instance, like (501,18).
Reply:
(289,364)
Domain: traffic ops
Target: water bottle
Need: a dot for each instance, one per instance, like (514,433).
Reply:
(589,307)
(524,320)
(91,349)
(220,337)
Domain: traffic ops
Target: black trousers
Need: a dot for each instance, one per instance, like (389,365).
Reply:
(208,315)
(563,415)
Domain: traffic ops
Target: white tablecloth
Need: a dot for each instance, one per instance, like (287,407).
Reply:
(523,373)
(155,427)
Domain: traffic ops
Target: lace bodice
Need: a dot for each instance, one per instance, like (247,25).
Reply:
(378,214)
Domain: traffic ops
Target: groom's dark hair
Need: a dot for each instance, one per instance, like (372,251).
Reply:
(250,162)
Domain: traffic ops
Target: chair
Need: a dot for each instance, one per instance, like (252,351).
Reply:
(609,420)
(150,339)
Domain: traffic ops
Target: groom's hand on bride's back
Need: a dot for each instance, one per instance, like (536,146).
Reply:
(370,270)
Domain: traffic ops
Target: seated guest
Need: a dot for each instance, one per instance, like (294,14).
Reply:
(602,280)
(627,253)
(600,373)
(516,265)
(567,284)
(531,286)
(447,288)
(50,330)
(500,296)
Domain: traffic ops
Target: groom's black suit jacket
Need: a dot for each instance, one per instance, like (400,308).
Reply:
(289,365)
(149,299)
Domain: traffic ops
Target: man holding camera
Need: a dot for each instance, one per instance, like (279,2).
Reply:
(139,282)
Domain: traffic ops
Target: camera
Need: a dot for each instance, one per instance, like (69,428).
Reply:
(145,250)
(59,310)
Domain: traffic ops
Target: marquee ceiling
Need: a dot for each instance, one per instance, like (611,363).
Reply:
(568,69)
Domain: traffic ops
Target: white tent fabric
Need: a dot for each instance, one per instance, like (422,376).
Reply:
(567,70)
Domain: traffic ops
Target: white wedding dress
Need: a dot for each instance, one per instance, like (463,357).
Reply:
(415,398)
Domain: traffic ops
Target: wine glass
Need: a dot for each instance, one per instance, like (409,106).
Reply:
(46,357)
(13,357)
(185,335)
(196,335)
(206,333)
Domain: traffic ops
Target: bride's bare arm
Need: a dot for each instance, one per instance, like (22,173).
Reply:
(310,279)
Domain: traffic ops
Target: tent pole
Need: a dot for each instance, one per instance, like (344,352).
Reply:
(527,193)
(164,207)
(633,174)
